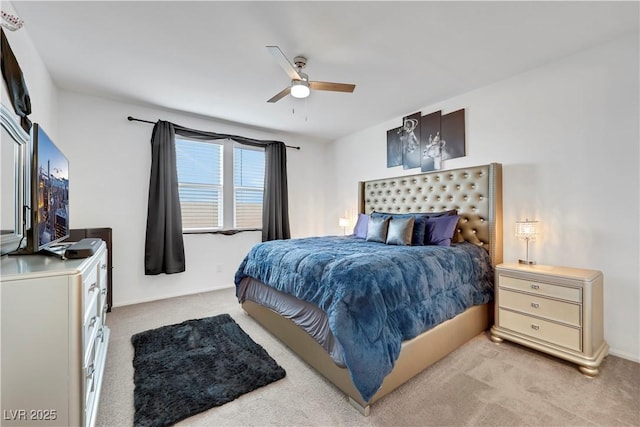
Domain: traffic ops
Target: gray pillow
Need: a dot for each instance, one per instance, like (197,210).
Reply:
(377,229)
(400,231)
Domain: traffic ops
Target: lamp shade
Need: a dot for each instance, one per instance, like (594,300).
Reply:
(343,222)
(300,89)
(527,229)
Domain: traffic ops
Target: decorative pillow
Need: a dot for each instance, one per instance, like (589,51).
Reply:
(360,229)
(450,212)
(419,228)
(420,222)
(377,229)
(400,231)
(440,230)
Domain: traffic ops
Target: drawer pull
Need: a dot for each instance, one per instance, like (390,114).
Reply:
(90,370)
(535,305)
(92,321)
(93,287)
(535,327)
(534,286)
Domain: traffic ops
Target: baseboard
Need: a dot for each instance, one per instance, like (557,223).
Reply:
(623,355)
(193,292)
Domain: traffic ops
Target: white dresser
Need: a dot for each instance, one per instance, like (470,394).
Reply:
(557,310)
(54,338)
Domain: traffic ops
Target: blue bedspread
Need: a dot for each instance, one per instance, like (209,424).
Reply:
(375,295)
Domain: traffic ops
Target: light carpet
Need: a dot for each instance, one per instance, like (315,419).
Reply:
(481,383)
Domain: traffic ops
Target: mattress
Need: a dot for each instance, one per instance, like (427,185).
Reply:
(306,315)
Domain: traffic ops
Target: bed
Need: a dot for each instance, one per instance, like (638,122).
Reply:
(328,337)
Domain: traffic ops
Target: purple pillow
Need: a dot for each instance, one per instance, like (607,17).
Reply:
(441,213)
(440,230)
(360,230)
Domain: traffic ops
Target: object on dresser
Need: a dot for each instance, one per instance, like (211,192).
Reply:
(104,233)
(49,206)
(556,310)
(82,249)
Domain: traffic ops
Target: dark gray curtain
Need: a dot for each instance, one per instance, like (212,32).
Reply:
(164,247)
(275,205)
(16,86)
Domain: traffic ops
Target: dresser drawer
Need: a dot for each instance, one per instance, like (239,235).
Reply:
(538,288)
(90,287)
(560,311)
(91,324)
(554,333)
(89,372)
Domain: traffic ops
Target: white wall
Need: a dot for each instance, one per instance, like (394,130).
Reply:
(567,137)
(109,180)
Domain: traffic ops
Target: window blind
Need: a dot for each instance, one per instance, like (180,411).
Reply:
(200,172)
(248,183)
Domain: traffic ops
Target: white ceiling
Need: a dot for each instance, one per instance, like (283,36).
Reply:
(209,58)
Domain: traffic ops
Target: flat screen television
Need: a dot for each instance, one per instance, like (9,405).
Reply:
(49,193)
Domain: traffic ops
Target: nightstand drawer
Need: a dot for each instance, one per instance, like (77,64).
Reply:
(564,336)
(538,288)
(560,311)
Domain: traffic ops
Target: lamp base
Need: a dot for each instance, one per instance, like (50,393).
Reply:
(523,261)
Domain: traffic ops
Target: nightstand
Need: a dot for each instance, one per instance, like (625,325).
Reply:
(556,310)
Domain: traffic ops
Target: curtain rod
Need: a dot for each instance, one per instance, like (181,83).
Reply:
(133,119)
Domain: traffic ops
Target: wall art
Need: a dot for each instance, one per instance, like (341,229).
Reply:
(410,136)
(426,141)
(453,132)
(430,139)
(394,147)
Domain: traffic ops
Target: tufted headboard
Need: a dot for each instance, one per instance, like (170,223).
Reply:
(476,192)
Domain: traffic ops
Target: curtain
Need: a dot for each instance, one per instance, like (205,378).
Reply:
(275,205)
(16,86)
(164,247)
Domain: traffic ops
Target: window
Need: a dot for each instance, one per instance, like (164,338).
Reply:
(248,187)
(200,184)
(207,203)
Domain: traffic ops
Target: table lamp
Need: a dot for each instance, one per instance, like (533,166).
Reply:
(526,230)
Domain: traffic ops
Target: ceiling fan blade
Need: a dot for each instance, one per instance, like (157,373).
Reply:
(282,60)
(280,95)
(335,87)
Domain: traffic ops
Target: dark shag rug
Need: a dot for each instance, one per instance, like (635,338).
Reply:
(184,369)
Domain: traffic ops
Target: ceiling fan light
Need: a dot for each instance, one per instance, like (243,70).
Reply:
(300,89)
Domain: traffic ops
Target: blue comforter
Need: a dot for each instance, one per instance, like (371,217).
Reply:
(375,295)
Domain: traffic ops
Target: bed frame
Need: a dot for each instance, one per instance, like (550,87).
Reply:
(476,192)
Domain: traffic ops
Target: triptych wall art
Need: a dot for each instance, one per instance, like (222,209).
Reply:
(425,141)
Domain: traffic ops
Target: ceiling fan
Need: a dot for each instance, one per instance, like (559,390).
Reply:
(300,84)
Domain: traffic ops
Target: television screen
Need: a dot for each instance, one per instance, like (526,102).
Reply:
(50,192)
